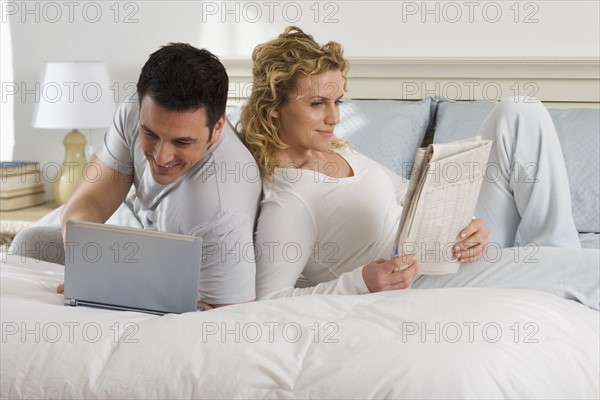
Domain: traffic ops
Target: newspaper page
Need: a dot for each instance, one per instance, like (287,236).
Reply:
(440,202)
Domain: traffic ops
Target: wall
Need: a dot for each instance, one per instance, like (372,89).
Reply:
(124,33)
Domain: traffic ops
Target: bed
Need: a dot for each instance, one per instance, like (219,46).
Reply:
(445,343)
(436,343)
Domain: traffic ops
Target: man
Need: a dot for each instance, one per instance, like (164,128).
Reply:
(173,142)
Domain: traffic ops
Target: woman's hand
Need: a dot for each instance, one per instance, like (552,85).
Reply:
(474,242)
(395,273)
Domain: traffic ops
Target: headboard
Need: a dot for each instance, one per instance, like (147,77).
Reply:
(557,81)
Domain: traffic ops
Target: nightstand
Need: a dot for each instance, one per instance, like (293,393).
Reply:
(28,214)
(11,222)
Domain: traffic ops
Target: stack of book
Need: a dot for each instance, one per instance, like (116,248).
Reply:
(21,185)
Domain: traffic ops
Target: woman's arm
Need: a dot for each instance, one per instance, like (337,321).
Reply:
(284,241)
(285,236)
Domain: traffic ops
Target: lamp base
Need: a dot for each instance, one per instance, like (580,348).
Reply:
(71,172)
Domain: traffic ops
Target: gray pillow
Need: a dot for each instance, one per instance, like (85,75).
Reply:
(233,115)
(579,134)
(459,120)
(578,131)
(388,131)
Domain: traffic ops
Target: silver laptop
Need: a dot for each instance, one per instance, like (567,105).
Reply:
(121,268)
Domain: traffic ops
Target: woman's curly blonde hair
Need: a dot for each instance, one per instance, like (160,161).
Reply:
(277,66)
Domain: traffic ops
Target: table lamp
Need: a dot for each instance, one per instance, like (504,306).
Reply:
(73,95)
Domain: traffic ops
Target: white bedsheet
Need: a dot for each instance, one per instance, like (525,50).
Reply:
(439,343)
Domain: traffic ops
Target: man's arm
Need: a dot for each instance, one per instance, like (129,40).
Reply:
(95,200)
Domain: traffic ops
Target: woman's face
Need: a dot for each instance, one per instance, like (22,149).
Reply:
(309,116)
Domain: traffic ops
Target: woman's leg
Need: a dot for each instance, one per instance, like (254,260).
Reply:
(525,195)
(568,273)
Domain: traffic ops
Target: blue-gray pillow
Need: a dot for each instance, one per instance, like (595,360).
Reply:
(388,131)
(578,131)
(579,134)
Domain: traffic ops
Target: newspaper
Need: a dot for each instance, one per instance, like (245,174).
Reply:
(440,201)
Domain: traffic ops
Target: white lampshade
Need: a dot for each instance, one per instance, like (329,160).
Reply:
(74,95)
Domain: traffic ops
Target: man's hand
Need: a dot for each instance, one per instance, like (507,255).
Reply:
(395,273)
(204,305)
(474,242)
(60,289)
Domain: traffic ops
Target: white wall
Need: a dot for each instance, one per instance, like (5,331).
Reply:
(124,33)
(7,139)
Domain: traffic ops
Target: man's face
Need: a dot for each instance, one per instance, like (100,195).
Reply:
(173,141)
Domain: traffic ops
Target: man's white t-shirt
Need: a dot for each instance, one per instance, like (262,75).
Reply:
(217,200)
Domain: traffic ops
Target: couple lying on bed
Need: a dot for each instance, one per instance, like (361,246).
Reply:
(327,212)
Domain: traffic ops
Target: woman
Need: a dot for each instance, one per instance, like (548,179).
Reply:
(331,214)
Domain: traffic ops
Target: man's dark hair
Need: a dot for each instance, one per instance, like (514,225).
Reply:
(180,77)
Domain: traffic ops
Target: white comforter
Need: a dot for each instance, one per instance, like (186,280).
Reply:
(442,343)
